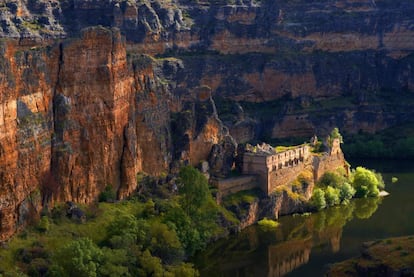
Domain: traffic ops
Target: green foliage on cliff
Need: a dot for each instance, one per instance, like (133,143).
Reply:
(148,237)
(335,135)
(193,188)
(318,199)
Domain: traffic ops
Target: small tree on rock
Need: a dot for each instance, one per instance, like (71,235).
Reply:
(193,188)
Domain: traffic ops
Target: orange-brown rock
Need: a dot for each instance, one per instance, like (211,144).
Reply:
(77,117)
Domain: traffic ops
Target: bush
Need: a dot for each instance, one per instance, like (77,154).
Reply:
(268,223)
(394,180)
(366,182)
(332,196)
(108,195)
(79,258)
(331,179)
(346,192)
(44,224)
(193,188)
(318,199)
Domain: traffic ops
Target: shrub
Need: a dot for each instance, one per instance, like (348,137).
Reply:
(193,188)
(332,196)
(79,258)
(346,192)
(43,225)
(394,180)
(366,182)
(318,199)
(331,179)
(268,223)
(108,195)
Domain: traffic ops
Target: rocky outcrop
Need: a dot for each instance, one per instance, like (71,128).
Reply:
(79,116)
(388,257)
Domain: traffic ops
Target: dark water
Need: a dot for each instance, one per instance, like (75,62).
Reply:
(306,245)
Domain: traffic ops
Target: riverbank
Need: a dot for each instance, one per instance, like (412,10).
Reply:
(386,257)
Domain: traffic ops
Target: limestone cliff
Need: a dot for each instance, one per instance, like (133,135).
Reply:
(79,116)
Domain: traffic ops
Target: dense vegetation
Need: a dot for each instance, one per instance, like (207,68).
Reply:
(154,232)
(144,236)
(395,143)
(336,188)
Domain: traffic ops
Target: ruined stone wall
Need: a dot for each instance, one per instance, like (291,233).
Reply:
(288,158)
(233,185)
(278,169)
(328,163)
(283,176)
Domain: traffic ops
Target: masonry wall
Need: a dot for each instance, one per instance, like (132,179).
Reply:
(328,163)
(283,176)
(257,165)
(233,185)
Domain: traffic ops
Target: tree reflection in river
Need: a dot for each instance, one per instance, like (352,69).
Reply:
(259,252)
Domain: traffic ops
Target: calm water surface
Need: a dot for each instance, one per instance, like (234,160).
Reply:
(306,245)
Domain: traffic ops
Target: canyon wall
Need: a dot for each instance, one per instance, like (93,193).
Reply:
(161,83)
(79,116)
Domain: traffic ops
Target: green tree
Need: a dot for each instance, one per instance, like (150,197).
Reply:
(122,231)
(108,195)
(149,265)
(332,196)
(165,243)
(335,135)
(193,188)
(114,263)
(79,258)
(346,192)
(331,179)
(186,230)
(365,182)
(318,199)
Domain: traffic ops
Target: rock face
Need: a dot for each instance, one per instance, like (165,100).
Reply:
(78,116)
(85,108)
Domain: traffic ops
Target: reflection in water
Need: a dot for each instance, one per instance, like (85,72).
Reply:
(258,252)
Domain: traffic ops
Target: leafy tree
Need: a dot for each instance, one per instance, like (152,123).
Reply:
(122,231)
(79,258)
(186,230)
(149,265)
(114,263)
(165,243)
(365,182)
(335,135)
(183,270)
(332,196)
(331,179)
(193,188)
(318,199)
(108,195)
(346,192)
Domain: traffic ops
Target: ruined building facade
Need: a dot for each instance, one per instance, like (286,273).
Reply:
(271,166)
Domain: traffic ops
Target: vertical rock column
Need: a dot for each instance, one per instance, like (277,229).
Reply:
(92,102)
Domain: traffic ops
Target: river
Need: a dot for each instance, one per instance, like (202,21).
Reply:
(306,245)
